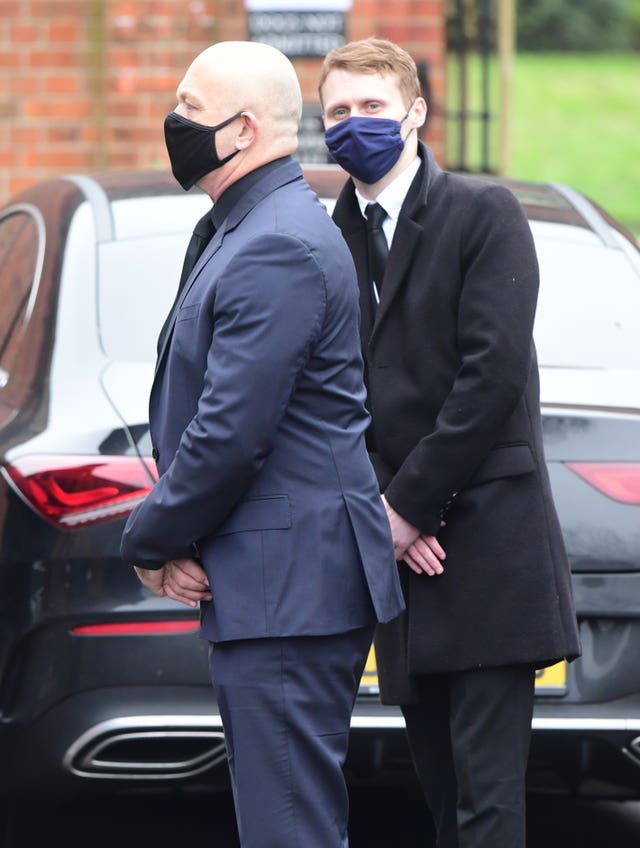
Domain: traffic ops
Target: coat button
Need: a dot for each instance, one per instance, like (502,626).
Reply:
(155,454)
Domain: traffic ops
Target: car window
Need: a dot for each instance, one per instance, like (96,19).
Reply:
(588,312)
(139,271)
(138,283)
(21,246)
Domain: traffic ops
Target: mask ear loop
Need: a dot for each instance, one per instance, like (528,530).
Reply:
(404,119)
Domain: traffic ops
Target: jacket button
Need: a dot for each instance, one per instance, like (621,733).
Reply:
(154,453)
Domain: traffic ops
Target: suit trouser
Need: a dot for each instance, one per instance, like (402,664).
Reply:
(286,706)
(469,739)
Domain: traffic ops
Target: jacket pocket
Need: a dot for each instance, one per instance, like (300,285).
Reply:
(270,512)
(188,312)
(505,461)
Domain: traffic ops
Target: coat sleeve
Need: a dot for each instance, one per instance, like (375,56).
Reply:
(269,309)
(496,310)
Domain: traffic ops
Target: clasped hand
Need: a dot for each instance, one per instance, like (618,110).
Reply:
(421,552)
(183,580)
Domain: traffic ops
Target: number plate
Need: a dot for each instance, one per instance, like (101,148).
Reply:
(549,681)
(552,680)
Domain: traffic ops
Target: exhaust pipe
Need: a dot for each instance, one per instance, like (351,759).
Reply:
(633,751)
(148,748)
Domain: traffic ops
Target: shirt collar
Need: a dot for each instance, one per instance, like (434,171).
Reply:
(392,196)
(232,195)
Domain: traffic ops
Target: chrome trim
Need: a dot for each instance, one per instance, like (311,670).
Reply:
(633,751)
(619,724)
(100,206)
(589,213)
(36,214)
(538,723)
(83,757)
(577,410)
(92,757)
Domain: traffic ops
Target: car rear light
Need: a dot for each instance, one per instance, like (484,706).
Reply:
(137,628)
(76,491)
(617,480)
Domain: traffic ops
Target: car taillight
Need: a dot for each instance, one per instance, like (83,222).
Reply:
(617,480)
(75,491)
(137,628)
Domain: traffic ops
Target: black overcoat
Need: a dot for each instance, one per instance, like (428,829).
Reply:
(456,432)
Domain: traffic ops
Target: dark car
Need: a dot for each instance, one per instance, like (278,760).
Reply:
(105,687)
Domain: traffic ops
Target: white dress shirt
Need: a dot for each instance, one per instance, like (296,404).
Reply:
(391,199)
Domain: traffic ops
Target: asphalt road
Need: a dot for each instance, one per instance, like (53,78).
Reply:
(380,818)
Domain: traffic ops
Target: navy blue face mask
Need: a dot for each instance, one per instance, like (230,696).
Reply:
(192,148)
(367,148)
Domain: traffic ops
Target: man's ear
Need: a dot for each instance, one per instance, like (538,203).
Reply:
(248,132)
(418,112)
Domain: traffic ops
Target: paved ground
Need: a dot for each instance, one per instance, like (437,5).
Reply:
(379,819)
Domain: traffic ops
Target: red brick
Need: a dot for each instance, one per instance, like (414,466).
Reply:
(119,57)
(147,46)
(122,159)
(9,60)
(56,9)
(62,85)
(58,109)
(24,136)
(9,9)
(163,8)
(60,159)
(135,135)
(8,108)
(64,32)
(25,84)
(64,135)
(118,108)
(55,59)
(23,33)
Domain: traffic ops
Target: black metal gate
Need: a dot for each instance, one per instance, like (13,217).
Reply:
(470,115)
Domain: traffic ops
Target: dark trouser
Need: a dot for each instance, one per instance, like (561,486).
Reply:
(469,738)
(286,706)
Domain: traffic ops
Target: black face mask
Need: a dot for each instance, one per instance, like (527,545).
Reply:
(192,148)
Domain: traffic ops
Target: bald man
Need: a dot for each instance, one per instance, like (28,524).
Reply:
(266,512)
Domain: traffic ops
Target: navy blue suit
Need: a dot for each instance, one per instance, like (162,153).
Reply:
(257,415)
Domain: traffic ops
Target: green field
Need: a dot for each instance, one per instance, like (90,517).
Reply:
(575,119)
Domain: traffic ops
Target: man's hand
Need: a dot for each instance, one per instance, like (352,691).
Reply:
(183,580)
(425,555)
(422,553)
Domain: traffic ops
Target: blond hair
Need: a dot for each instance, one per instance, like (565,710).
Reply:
(374,56)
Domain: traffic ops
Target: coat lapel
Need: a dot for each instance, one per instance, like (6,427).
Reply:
(409,232)
(405,241)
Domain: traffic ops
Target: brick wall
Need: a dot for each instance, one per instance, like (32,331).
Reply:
(85,84)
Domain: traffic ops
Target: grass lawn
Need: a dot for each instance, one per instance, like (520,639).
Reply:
(575,119)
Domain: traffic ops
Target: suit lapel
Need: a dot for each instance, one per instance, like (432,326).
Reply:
(209,251)
(286,173)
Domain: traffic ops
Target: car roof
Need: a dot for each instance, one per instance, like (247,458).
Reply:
(550,202)
(547,202)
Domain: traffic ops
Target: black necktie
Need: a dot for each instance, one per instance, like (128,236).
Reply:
(202,235)
(377,244)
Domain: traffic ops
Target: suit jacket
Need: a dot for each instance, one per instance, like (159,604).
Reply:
(456,434)
(257,415)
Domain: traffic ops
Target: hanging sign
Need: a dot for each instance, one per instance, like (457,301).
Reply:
(299,28)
